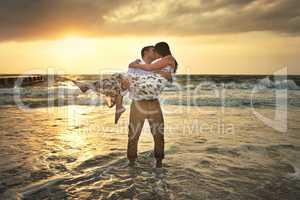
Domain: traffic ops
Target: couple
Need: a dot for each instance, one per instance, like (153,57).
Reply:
(144,81)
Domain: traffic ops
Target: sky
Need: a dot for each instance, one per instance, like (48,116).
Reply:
(205,36)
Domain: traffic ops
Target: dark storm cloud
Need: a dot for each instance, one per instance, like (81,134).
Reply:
(38,19)
(42,19)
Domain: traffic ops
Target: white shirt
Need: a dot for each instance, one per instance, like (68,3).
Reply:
(137,71)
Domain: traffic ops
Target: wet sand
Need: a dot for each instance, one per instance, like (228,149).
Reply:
(76,152)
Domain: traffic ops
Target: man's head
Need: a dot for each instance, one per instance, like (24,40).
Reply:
(148,54)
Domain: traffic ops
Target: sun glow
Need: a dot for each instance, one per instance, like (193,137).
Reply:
(77,54)
(73,46)
(72,51)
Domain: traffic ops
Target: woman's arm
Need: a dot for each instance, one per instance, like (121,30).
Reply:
(168,60)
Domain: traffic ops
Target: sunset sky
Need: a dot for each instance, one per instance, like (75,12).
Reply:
(206,36)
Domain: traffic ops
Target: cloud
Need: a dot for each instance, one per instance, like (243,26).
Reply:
(45,19)
(38,19)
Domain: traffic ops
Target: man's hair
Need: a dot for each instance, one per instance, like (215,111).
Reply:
(146,48)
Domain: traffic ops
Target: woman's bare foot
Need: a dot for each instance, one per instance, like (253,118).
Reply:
(118,113)
(110,101)
(82,86)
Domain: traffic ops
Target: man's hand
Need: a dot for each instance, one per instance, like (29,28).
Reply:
(125,84)
(132,64)
(166,75)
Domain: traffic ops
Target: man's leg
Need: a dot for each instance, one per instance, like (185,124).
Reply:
(136,122)
(156,122)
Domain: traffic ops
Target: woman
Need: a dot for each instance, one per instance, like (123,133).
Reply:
(141,87)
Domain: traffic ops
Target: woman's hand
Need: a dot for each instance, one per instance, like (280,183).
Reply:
(134,63)
(169,60)
(165,61)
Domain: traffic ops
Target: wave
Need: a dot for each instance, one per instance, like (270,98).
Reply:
(94,100)
(232,102)
(265,83)
(177,93)
(39,91)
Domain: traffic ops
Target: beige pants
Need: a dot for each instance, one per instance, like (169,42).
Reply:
(139,111)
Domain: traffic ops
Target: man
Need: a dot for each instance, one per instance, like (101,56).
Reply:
(140,110)
(148,56)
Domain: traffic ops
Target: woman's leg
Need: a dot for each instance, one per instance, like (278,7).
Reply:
(120,109)
(125,83)
(112,91)
(82,86)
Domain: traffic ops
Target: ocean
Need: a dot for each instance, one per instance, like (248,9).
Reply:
(227,137)
(193,90)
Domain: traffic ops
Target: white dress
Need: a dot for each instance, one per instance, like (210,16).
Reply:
(147,87)
(142,87)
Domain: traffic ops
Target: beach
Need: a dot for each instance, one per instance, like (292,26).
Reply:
(212,152)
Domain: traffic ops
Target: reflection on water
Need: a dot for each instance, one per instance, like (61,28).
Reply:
(76,152)
(73,139)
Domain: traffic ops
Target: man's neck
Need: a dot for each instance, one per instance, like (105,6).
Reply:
(147,60)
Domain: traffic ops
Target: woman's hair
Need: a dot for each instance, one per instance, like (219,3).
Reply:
(163,49)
